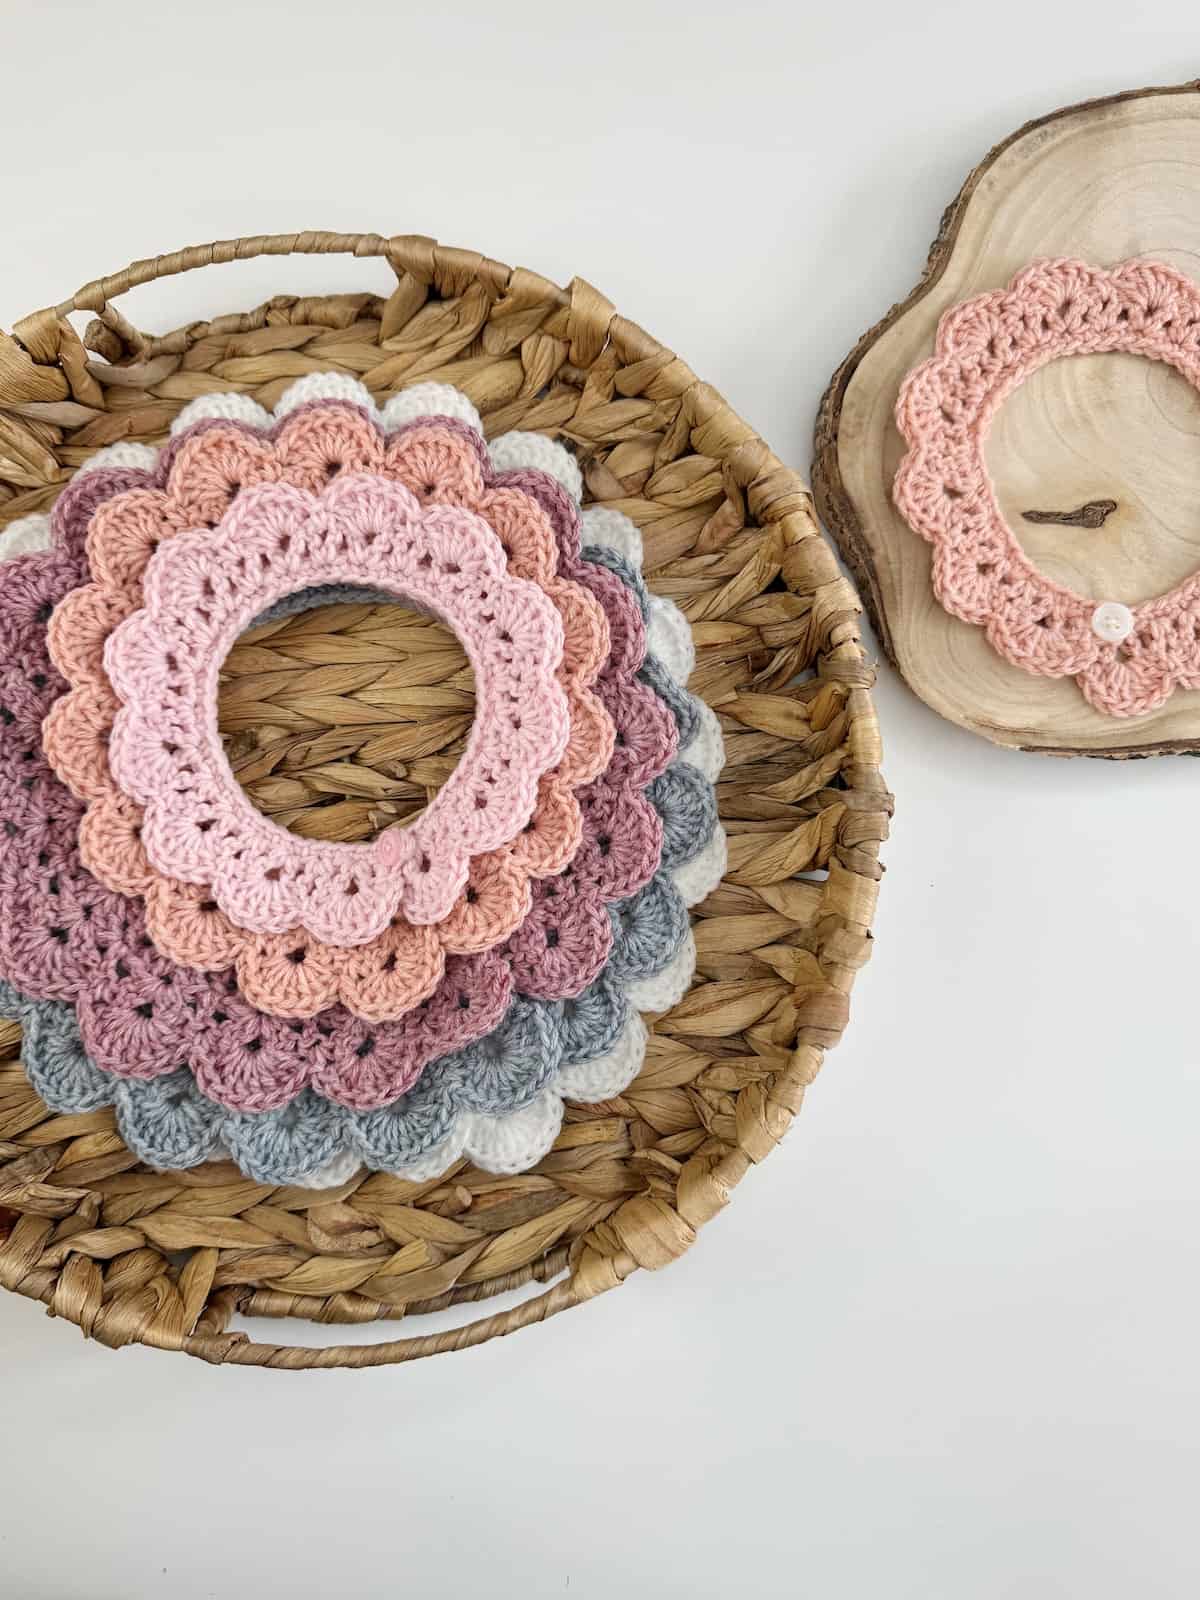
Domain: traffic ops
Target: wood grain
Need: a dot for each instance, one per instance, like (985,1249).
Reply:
(1102,181)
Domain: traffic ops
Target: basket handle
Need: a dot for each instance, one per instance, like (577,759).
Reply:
(96,295)
(415,259)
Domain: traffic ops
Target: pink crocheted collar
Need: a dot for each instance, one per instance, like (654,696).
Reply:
(202,588)
(1126,659)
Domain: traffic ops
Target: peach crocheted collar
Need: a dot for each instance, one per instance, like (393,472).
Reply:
(292,958)
(1126,659)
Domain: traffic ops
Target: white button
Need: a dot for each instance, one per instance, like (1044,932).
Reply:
(1112,622)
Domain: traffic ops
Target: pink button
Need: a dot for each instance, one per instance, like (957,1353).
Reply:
(389,847)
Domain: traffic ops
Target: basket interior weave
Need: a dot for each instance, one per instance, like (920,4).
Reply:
(129,1254)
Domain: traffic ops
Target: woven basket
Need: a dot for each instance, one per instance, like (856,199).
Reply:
(131,1255)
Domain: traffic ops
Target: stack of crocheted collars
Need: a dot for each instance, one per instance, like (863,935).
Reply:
(308,1008)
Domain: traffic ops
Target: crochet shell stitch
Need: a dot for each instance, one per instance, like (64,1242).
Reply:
(548,1011)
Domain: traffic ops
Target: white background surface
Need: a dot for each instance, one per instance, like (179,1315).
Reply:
(943,1343)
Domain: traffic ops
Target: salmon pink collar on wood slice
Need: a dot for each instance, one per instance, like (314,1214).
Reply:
(1127,659)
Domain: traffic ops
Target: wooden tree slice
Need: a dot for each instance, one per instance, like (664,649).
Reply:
(1095,459)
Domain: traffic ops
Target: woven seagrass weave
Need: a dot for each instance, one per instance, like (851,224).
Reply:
(336,746)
